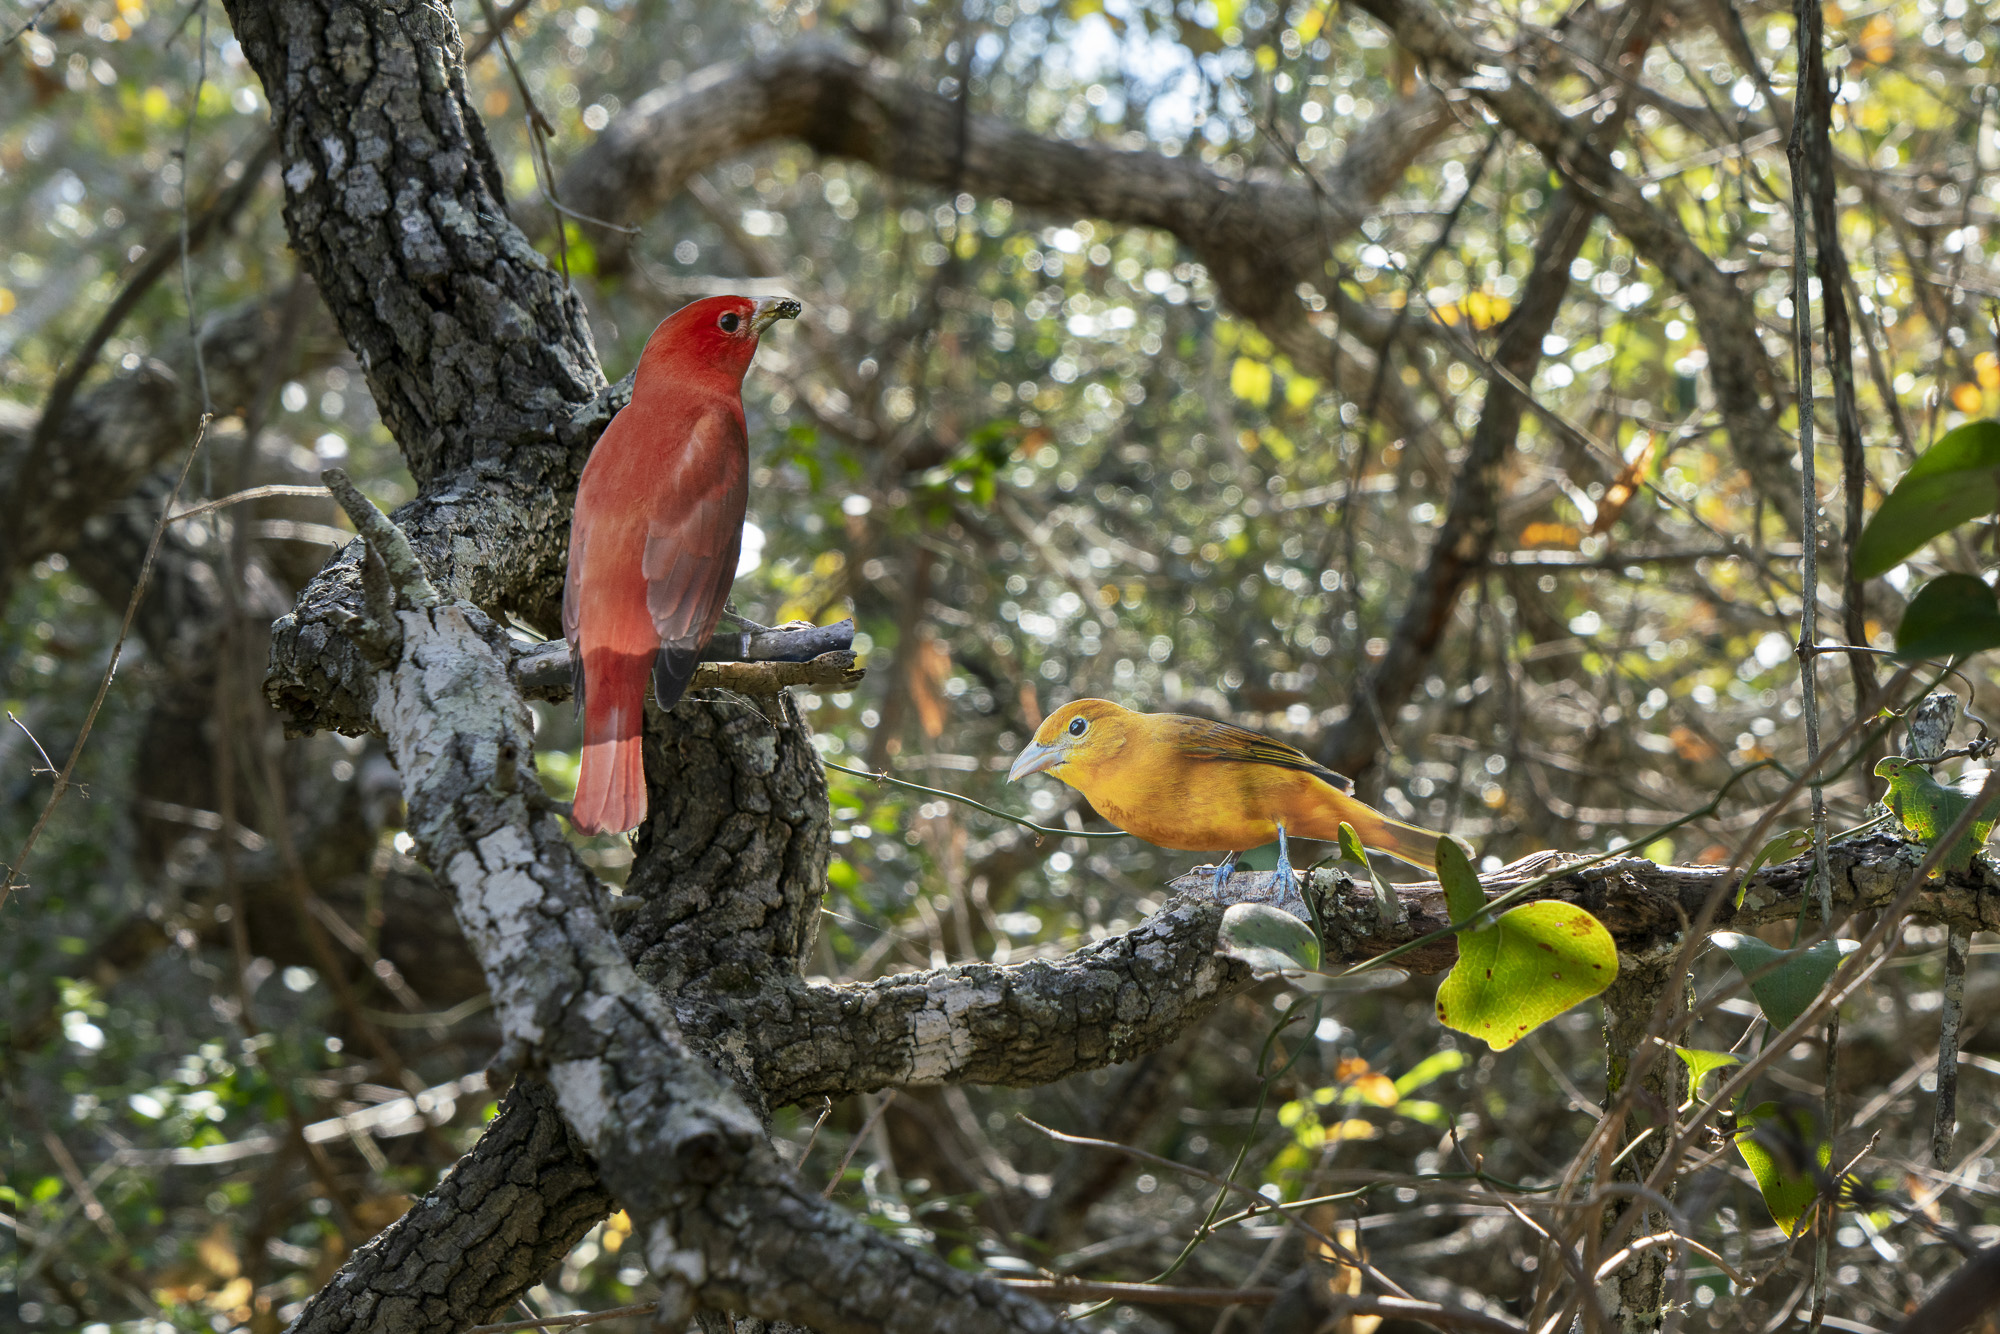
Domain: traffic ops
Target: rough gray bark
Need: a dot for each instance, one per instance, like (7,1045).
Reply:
(484,1235)
(723,1221)
(478,356)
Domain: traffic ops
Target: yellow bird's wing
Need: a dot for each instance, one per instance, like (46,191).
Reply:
(1204,739)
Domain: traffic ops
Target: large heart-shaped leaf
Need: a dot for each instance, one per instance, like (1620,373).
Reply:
(1528,967)
(1954,481)
(1953,614)
(1780,1144)
(1928,808)
(1785,982)
(1267,938)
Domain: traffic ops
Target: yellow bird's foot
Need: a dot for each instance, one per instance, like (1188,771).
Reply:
(1223,871)
(1286,876)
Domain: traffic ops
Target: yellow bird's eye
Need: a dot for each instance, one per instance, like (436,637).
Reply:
(1078,726)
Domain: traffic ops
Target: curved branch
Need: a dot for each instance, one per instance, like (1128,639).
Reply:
(490,1230)
(1262,237)
(1037,1022)
(1019,1024)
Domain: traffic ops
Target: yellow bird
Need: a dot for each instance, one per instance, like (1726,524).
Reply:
(1198,786)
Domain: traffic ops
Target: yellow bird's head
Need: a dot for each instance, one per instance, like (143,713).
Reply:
(1080,735)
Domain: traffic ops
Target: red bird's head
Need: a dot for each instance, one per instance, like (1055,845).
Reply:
(715,336)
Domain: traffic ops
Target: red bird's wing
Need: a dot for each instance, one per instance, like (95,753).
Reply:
(692,541)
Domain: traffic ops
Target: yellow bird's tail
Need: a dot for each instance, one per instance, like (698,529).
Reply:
(1404,842)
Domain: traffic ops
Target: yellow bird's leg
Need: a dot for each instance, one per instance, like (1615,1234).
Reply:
(1223,870)
(1285,876)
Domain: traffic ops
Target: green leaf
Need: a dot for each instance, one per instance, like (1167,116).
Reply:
(1514,976)
(1774,1143)
(1928,808)
(1785,982)
(1268,938)
(1954,481)
(1701,1064)
(1462,893)
(1386,906)
(1792,843)
(1951,615)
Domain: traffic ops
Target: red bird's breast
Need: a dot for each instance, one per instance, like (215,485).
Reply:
(655,538)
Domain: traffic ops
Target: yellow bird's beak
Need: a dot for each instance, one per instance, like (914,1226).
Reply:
(1037,758)
(772,309)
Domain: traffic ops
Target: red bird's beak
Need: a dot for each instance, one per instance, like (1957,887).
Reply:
(772,309)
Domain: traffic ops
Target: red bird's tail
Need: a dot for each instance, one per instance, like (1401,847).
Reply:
(611,784)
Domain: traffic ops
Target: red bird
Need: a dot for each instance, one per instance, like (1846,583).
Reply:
(653,546)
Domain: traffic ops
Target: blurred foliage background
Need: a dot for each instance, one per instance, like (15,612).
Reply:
(1037,457)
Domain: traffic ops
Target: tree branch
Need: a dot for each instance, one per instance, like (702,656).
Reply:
(723,1221)
(1262,237)
(1037,1022)
(1746,384)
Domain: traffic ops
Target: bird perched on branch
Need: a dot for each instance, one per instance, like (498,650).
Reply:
(653,546)
(1198,786)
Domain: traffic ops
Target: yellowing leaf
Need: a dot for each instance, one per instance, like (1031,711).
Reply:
(1250,381)
(1563,535)
(1986,367)
(1967,398)
(1534,963)
(1484,309)
(1878,39)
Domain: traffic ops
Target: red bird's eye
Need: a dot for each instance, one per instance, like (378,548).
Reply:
(730,322)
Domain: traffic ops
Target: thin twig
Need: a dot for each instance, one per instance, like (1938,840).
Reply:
(1040,830)
(13,879)
(854,1145)
(1158,1294)
(187,144)
(1802,356)
(253,493)
(1279,1207)
(570,1321)
(48,765)
(33,19)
